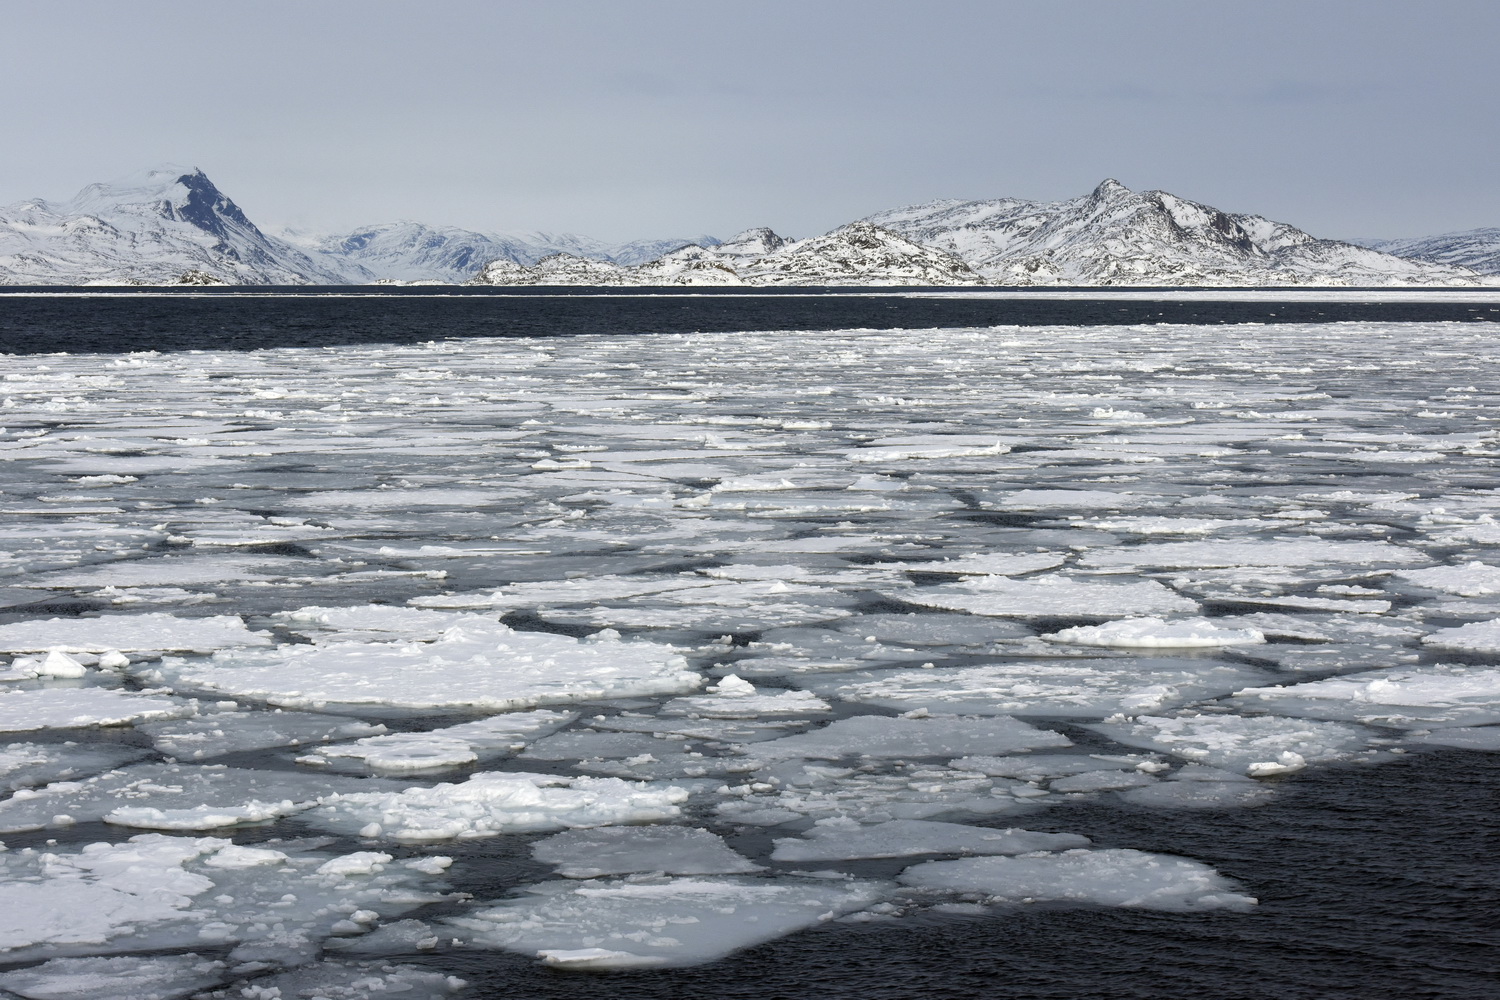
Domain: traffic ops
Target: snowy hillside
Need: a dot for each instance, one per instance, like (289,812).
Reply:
(1117,236)
(856,254)
(1476,249)
(152,229)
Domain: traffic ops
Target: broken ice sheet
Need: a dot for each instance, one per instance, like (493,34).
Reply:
(330,980)
(1255,745)
(128,633)
(156,892)
(1413,697)
(937,736)
(1194,786)
(172,797)
(23,765)
(231,732)
(1045,596)
(657,921)
(841,838)
(1092,687)
(1156,633)
(624,850)
(733,698)
(482,665)
(158,977)
(452,746)
(1125,878)
(496,802)
(1260,552)
(79,707)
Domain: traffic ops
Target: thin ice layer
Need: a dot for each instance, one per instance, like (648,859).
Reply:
(1478,637)
(1414,697)
(347,981)
(1036,597)
(1075,688)
(126,633)
(938,736)
(156,892)
(1124,878)
(486,666)
(841,838)
(171,797)
(1156,633)
(1256,745)
(624,850)
(233,732)
(74,708)
(449,747)
(157,977)
(647,922)
(496,802)
(25,764)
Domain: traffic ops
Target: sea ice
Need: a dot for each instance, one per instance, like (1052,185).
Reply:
(1044,596)
(1155,633)
(624,850)
(158,977)
(658,921)
(1472,579)
(346,981)
(476,666)
(156,892)
(1194,786)
(733,698)
(1479,637)
(1260,552)
(496,802)
(1410,697)
(1475,738)
(72,708)
(1255,745)
(232,732)
(449,747)
(1086,687)
(935,736)
(23,765)
(1107,878)
(128,633)
(840,838)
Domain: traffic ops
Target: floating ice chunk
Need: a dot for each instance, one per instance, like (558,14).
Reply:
(496,802)
(1155,633)
(407,623)
(937,736)
(1049,596)
(840,838)
(25,764)
(157,977)
(1075,687)
(1414,697)
(552,593)
(1108,878)
(719,730)
(985,564)
(453,746)
(1081,499)
(1261,552)
(71,708)
(1236,742)
(233,732)
(931,446)
(1479,637)
(932,629)
(60,664)
(623,850)
(157,892)
(702,618)
(346,981)
(1286,762)
(1467,738)
(1101,781)
(734,698)
(625,923)
(1472,579)
(171,797)
(388,499)
(471,667)
(1042,766)
(797,790)
(1320,628)
(128,632)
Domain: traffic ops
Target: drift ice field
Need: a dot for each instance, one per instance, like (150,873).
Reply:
(695,629)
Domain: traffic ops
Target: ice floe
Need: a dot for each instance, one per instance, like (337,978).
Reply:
(1036,597)
(1106,878)
(624,850)
(73,708)
(128,633)
(841,838)
(448,747)
(1411,697)
(1154,633)
(1254,745)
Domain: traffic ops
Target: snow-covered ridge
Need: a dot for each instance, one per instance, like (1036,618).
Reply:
(172,225)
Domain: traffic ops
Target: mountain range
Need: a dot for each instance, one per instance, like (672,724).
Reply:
(173,225)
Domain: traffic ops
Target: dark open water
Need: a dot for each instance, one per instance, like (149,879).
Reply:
(1375,882)
(118,319)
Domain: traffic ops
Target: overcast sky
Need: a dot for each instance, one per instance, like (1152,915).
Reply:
(636,118)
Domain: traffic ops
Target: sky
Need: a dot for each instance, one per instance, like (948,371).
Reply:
(627,119)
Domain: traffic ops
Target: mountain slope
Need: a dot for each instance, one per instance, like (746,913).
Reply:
(1476,249)
(1117,236)
(151,229)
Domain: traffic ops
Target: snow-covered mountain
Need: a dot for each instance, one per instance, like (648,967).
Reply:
(411,251)
(152,228)
(1476,249)
(1114,236)
(856,254)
